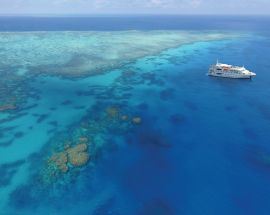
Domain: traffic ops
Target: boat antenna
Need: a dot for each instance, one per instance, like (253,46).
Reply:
(217,61)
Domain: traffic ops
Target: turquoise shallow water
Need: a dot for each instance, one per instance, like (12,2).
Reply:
(202,146)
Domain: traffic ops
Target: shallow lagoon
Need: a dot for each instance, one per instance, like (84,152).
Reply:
(202,145)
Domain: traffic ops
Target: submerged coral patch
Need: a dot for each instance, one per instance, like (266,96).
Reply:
(157,207)
(22,198)
(67,102)
(53,108)
(167,94)
(137,120)
(6,143)
(177,119)
(191,105)
(18,134)
(78,155)
(13,89)
(61,162)
(71,156)
(7,107)
(53,123)
(7,172)
(85,141)
(112,111)
(42,117)
(143,106)
(58,162)
(79,107)
(153,138)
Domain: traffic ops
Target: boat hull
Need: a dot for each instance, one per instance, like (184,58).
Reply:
(231,76)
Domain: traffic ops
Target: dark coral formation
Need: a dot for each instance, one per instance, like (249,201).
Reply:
(143,106)
(18,134)
(154,138)
(177,119)
(167,94)
(6,143)
(191,105)
(132,77)
(157,207)
(67,102)
(7,171)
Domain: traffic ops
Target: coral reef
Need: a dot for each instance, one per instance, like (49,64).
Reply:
(84,59)
(74,54)
(59,161)
(112,111)
(124,117)
(7,107)
(13,90)
(77,155)
(136,120)
(85,141)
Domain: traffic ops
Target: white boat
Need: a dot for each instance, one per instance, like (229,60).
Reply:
(229,71)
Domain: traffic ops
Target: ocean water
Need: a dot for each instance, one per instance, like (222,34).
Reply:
(161,136)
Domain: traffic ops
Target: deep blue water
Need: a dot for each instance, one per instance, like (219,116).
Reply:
(139,22)
(203,144)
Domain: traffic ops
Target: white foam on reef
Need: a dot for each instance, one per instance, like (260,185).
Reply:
(86,53)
